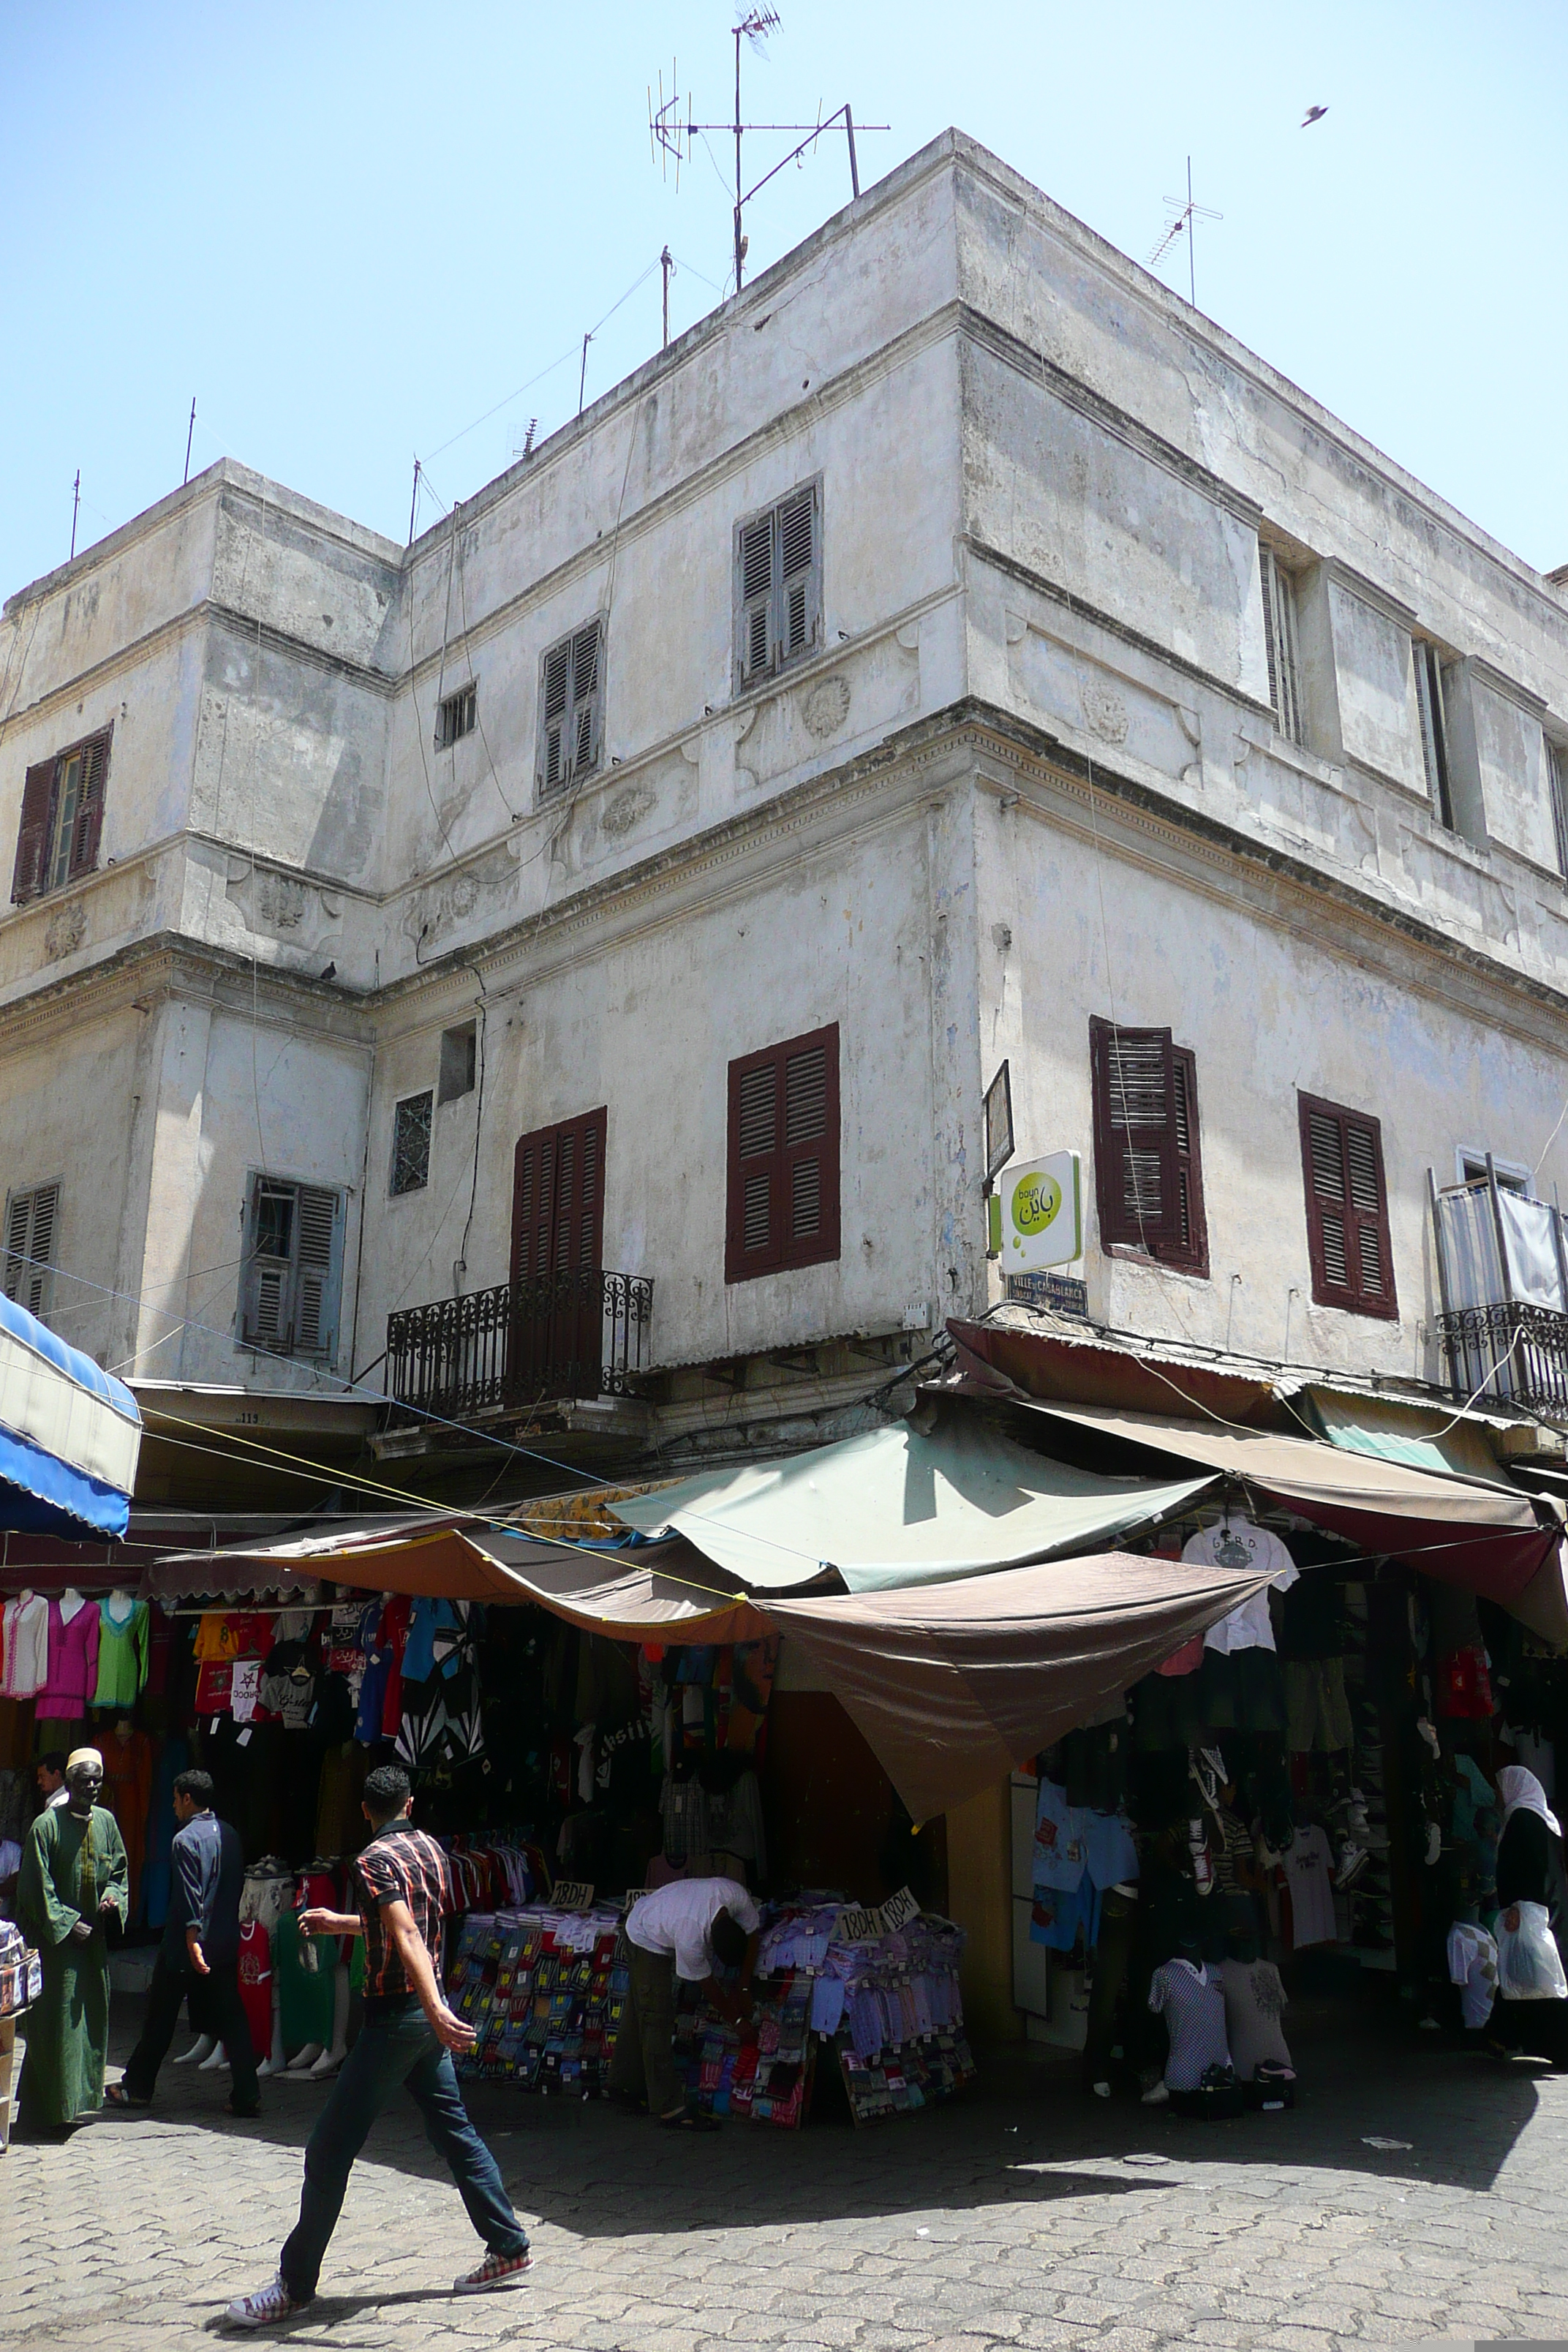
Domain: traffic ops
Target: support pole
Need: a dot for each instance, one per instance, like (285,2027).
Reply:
(854,166)
(738,254)
(666,265)
(76,509)
(190,431)
(414,502)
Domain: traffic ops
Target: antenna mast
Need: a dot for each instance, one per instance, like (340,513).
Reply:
(1183,224)
(673,136)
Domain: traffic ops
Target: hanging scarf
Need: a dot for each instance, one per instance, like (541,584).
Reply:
(1521,1793)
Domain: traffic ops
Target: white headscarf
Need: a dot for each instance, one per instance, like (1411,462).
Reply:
(1521,1793)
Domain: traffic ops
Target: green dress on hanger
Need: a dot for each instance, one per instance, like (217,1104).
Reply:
(69,1863)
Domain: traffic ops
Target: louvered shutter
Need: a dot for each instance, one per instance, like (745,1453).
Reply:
(1347,1210)
(317,1262)
(1279,643)
(757,634)
(557,752)
(18,1230)
(87,822)
(1148,1170)
(782,1158)
(798,617)
(555,1333)
(586,700)
(30,1246)
(33,832)
(267,1288)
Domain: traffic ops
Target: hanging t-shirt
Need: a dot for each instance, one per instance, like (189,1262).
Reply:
(1191,2002)
(1060,1856)
(255,1984)
(1307,1863)
(1253,2007)
(27,1645)
(1235,1543)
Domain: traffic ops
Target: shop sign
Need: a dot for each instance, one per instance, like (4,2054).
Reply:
(573,1894)
(864,1926)
(1036,1214)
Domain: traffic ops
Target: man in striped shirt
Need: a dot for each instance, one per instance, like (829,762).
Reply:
(403,1889)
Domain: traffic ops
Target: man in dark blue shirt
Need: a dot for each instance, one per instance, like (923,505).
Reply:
(201,1943)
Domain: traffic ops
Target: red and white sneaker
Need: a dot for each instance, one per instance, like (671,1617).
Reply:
(266,2308)
(495,2271)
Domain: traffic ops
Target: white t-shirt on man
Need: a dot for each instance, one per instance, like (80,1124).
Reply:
(679,1919)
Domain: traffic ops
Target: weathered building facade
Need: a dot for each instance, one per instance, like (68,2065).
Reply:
(955,649)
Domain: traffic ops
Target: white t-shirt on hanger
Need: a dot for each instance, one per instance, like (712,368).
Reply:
(1248,1627)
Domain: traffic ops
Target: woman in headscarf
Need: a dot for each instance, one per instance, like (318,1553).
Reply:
(1526,1872)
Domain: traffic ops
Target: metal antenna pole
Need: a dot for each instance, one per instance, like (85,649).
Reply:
(414,502)
(666,265)
(854,166)
(1192,241)
(738,195)
(190,431)
(582,379)
(76,509)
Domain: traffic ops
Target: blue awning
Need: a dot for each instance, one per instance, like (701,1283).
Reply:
(70,1436)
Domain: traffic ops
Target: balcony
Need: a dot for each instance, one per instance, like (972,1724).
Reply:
(521,1344)
(1502,1272)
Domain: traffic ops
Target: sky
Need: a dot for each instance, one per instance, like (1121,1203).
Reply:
(350,231)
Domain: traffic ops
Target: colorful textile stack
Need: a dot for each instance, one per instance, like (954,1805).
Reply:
(542,1989)
(768,2080)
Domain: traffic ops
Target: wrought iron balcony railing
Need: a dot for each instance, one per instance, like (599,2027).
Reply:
(521,1344)
(1515,1352)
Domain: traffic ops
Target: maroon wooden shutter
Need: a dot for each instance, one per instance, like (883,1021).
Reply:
(783,1190)
(556,1334)
(1348,1238)
(1148,1170)
(33,832)
(88,826)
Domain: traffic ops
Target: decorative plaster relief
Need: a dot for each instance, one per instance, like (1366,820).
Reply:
(1070,688)
(825,706)
(622,814)
(431,913)
(64,932)
(281,905)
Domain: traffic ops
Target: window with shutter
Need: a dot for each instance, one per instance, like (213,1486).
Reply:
(292,1277)
(1433,734)
(62,818)
(30,1220)
(558,1197)
(1148,1165)
(782,1158)
(1557,779)
(1279,643)
(778,585)
(411,1145)
(570,707)
(1347,1210)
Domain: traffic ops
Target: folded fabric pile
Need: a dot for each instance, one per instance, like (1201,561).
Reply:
(541,1988)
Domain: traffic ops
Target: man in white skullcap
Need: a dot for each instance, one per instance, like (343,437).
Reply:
(73,1877)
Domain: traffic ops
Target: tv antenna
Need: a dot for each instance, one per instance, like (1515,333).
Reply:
(1183,223)
(671,136)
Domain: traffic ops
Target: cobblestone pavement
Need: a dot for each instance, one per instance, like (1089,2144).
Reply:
(1019,2216)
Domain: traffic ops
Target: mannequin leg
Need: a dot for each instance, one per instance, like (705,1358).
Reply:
(218,2058)
(273,2061)
(304,2058)
(198,2053)
(331,2060)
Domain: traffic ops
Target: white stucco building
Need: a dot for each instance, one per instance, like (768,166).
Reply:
(952,644)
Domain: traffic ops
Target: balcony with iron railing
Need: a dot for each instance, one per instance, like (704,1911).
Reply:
(520,1345)
(1502,1278)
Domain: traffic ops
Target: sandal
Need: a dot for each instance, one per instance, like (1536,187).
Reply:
(690,2122)
(117,2095)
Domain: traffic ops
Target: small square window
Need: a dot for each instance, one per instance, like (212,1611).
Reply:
(411,1144)
(460,1062)
(456,715)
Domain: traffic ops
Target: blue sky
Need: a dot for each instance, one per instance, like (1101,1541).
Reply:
(350,231)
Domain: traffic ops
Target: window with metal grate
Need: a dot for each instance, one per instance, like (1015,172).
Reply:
(1347,1209)
(457,715)
(411,1144)
(1147,1168)
(571,707)
(30,1221)
(778,585)
(782,1157)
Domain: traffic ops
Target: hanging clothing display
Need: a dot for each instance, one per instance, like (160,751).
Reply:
(1235,1542)
(1191,1999)
(1308,1865)
(122,1642)
(440,1689)
(1254,2013)
(27,1645)
(73,1661)
(127,1793)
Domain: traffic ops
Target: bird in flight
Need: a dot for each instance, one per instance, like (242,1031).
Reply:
(1313,114)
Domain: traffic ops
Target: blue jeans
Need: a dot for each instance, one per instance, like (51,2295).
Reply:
(397,2047)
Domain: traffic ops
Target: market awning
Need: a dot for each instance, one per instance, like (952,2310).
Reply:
(1493,1540)
(1423,1437)
(70,1436)
(647,1592)
(953,1685)
(897,1506)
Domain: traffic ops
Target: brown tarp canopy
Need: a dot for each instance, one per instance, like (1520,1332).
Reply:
(648,1593)
(1490,1540)
(954,1685)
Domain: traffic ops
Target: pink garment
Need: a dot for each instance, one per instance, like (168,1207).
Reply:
(1186,1660)
(73,1665)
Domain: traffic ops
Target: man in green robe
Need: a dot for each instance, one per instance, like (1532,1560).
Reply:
(73,1876)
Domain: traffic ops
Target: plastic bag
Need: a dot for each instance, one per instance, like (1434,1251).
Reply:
(1530,1967)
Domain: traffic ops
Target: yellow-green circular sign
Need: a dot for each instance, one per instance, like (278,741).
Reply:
(1036,1201)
